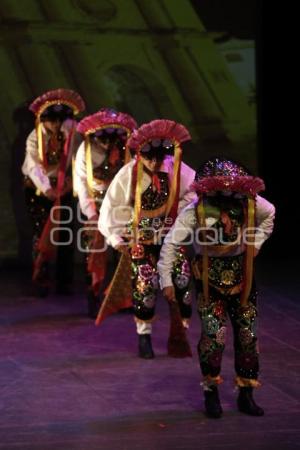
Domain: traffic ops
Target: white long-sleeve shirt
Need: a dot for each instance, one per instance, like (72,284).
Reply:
(117,207)
(86,201)
(33,166)
(185,231)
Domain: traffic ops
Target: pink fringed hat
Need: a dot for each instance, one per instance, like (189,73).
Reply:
(106,119)
(158,133)
(57,104)
(57,97)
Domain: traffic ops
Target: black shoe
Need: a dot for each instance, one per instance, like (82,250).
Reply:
(212,403)
(246,404)
(145,346)
(93,304)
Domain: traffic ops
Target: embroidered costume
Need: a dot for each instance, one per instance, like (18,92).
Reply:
(99,158)
(48,184)
(140,205)
(228,224)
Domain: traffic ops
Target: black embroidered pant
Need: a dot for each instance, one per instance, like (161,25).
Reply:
(39,208)
(145,283)
(214,322)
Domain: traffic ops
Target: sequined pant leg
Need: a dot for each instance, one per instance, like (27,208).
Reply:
(181,279)
(244,321)
(213,331)
(145,284)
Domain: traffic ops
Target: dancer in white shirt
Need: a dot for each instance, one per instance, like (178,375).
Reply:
(141,203)
(99,158)
(48,182)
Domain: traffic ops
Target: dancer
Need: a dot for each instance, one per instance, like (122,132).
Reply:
(47,173)
(229,223)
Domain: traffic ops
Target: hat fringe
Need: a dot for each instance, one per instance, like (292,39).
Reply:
(247,185)
(57,96)
(105,119)
(160,128)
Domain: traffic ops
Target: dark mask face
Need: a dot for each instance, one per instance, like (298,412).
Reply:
(103,138)
(158,145)
(220,196)
(109,135)
(157,150)
(56,113)
(158,155)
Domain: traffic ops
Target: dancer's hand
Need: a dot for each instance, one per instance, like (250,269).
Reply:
(169,293)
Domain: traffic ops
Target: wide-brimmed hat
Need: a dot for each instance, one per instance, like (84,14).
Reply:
(160,134)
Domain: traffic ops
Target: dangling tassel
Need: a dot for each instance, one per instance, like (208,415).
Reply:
(227,223)
(63,163)
(89,165)
(114,156)
(178,345)
(172,203)
(75,194)
(156,183)
(127,156)
(248,264)
(70,144)
(39,133)
(138,199)
(40,142)
(201,220)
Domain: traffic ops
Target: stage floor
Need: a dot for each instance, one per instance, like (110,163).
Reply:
(67,384)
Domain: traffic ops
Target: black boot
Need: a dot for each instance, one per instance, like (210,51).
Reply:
(145,346)
(212,402)
(246,404)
